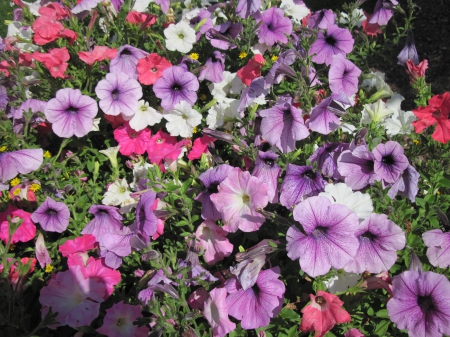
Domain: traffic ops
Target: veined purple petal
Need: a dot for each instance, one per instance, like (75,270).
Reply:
(21,161)
(53,216)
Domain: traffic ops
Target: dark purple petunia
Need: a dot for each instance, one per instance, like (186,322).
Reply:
(175,85)
(146,220)
(326,158)
(409,52)
(33,105)
(438,244)
(211,179)
(343,76)
(421,303)
(406,185)
(53,216)
(214,67)
(390,161)
(322,19)
(21,161)
(106,220)
(282,125)
(245,8)
(300,182)
(71,113)
(379,239)
(357,167)
(324,117)
(207,25)
(267,169)
(274,27)
(257,88)
(382,12)
(328,238)
(335,41)
(221,36)
(126,61)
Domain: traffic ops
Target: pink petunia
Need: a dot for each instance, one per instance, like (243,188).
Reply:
(251,70)
(24,233)
(200,147)
(216,313)
(132,141)
(213,239)
(97,270)
(76,249)
(99,53)
(119,320)
(41,252)
(162,146)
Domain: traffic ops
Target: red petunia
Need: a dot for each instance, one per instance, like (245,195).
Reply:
(437,111)
(55,61)
(137,18)
(99,53)
(371,29)
(416,71)
(151,68)
(251,70)
(4,67)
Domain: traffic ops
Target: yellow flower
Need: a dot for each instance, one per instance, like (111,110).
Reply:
(274,58)
(416,142)
(14,182)
(3,148)
(17,191)
(35,187)
(195,130)
(202,97)
(242,55)
(47,154)
(48,268)
(194,56)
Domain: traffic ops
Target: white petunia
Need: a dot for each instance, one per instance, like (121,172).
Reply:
(223,114)
(118,194)
(231,84)
(358,202)
(341,281)
(375,112)
(144,116)
(141,5)
(182,120)
(180,37)
(355,18)
(399,123)
(296,12)
(16,29)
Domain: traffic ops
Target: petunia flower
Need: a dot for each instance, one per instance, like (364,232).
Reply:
(55,61)
(297,10)
(375,112)
(99,53)
(274,27)
(119,321)
(175,85)
(389,161)
(151,67)
(163,146)
(203,17)
(144,116)
(245,8)
(84,5)
(406,185)
(71,113)
(106,219)
(131,141)
(438,244)
(200,146)
(182,120)
(119,94)
(21,161)
(399,123)
(180,37)
(117,194)
(343,76)
(126,61)
(213,68)
(415,71)
(409,51)
(255,306)
(334,41)
(53,216)
(76,250)
(267,169)
(328,237)
(421,303)
(224,114)
(251,70)
(382,12)
(231,84)
(379,239)
(144,20)
(24,233)
(213,240)
(323,117)
(146,220)
(326,158)
(322,19)
(323,313)
(97,270)
(41,252)
(223,35)
(215,312)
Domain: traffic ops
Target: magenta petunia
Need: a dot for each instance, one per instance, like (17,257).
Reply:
(21,161)
(71,113)
(389,161)
(131,141)
(343,76)
(126,61)
(240,196)
(274,27)
(216,313)
(119,320)
(24,233)
(97,270)
(53,216)
(328,237)
(334,41)
(255,306)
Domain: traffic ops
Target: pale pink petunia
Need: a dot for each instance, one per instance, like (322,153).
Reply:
(97,270)
(198,298)
(216,313)
(213,239)
(41,252)
(119,319)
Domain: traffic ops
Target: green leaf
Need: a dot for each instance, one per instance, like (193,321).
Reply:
(381,328)
(383,313)
(185,186)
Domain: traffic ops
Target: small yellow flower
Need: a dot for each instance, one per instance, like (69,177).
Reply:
(274,58)
(17,191)
(14,182)
(48,268)
(3,148)
(195,129)
(416,142)
(47,154)
(35,187)
(202,97)
(242,55)
(194,56)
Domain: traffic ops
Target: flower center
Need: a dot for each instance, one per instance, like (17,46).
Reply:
(270,26)
(115,94)
(143,108)
(176,87)
(320,300)
(388,160)
(125,52)
(319,232)
(181,36)
(245,198)
(159,141)
(51,211)
(425,303)
(213,188)
(309,174)
(122,190)
(256,290)
(72,110)
(269,162)
(133,135)
(120,321)
(369,236)
(154,70)
(330,40)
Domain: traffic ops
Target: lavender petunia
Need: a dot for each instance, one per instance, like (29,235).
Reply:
(146,220)
(282,125)
(33,105)
(3,97)
(255,306)
(195,269)
(324,117)
(107,219)
(406,185)
(274,27)
(389,161)
(85,5)
(409,52)
(343,76)
(126,61)
(421,303)
(211,180)
(175,85)
(245,8)
(221,36)
(21,161)
(438,244)
(382,12)
(267,169)
(119,94)
(116,245)
(328,237)
(335,41)
(207,25)
(214,68)
(300,182)
(326,158)
(379,239)
(322,19)
(158,279)
(256,89)
(281,67)
(53,216)
(71,113)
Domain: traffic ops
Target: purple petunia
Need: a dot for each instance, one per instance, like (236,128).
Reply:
(406,185)
(71,113)
(324,118)
(328,237)
(175,85)
(245,8)
(106,220)
(33,105)
(214,68)
(21,161)
(267,169)
(53,216)
(207,25)
(421,303)
(409,52)
(438,244)
(274,27)
(258,304)
(119,94)
(389,161)
(282,125)
(221,36)
(382,12)
(322,19)
(126,61)
(335,41)
(281,67)
(300,182)
(3,97)
(326,158)
(343,76)
(146,220)
(379,239)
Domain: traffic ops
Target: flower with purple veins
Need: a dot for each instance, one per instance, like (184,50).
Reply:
(409,52)
(267,169)
(300,182)
(119,94)
(406,185)
(245,8)
(281,67)
(324,118)
(221,36)
(379,239)
(175,85)
(326,158)
(53,216)
(328,237)
(421,303)
(21,161)
(255,306)
(322,19)
(126,61)
(106,220)
(334,41)
(207,25)
(438,244)
(71,113)
(146,220)
(214,68)
(32,104)
(258,89)
(343,76)
(382,12)
(274,27)
(282,125)
(389,161)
